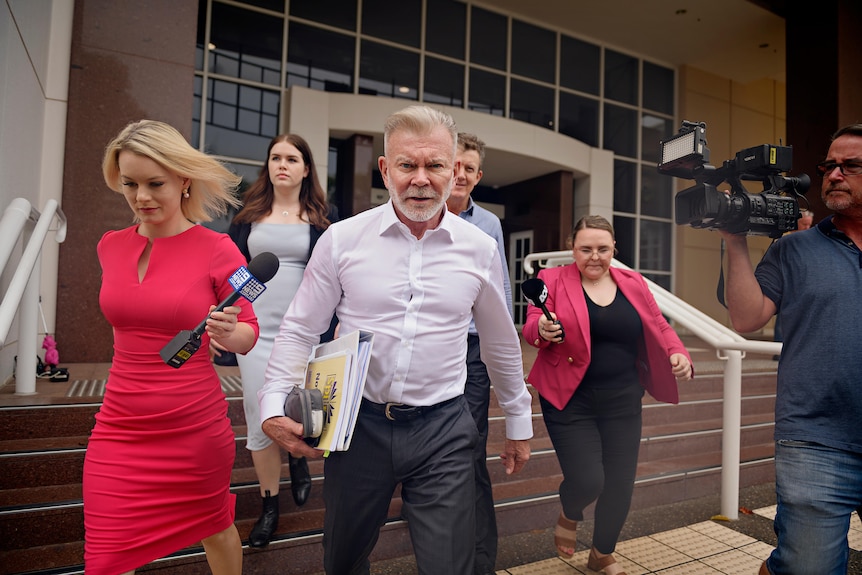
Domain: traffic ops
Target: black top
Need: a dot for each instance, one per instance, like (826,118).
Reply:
(615,331)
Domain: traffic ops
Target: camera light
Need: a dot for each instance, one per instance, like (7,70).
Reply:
(684,152)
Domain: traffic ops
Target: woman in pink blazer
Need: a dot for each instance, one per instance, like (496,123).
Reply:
(591,382)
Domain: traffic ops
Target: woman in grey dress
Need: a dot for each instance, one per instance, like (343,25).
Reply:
(284,212)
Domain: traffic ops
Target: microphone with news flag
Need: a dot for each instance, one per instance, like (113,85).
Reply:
(536,293)
(246,282)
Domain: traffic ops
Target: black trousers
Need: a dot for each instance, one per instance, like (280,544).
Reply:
(478,393)
(431,456)
(597,438)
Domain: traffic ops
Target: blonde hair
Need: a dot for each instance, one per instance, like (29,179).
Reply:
(419,119)
(212,187)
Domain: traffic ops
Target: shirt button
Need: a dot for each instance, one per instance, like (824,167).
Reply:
(570,360)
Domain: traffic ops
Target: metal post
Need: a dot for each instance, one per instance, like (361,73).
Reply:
(730,448)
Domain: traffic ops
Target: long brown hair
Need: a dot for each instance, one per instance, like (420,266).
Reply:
(257,200)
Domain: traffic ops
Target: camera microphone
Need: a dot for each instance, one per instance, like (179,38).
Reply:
(536,293)
(246,282)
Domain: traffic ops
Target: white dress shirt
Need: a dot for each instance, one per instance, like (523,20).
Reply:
(417,297)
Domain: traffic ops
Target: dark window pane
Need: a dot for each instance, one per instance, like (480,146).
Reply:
(488,38)
(624,233)
(241,120)
(201,35)
(655,245)
(579,118)
(656,193)
(338,13)
(621,129)
(625,186)
(274,5)
(579,65)
(319,59)
(653,131)
(446,27)
(444,82)
(487,92)
(196,112)
(246,44)
(395,20)
(661,279)
(534,52)
(532,103)
(658,88)
(386,71)
(621,77)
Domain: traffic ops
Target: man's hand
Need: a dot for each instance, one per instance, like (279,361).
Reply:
(288,434)
(516,454)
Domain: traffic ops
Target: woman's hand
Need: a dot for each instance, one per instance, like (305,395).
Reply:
(228,333)
(549,330)
(681,366)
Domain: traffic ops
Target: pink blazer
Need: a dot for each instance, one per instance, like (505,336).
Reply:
(560,368)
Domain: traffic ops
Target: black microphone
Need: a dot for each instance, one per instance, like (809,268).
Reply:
(246,282)
(536,293)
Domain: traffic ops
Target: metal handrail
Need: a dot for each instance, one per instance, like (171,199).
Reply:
(729,346)
(22,295)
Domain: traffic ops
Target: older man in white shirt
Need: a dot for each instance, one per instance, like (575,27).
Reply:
(414,275)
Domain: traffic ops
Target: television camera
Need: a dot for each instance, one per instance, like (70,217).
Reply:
(771,212)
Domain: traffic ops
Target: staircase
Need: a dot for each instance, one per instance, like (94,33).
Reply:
(42,452)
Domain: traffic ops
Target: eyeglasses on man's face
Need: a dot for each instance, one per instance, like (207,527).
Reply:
(847,168)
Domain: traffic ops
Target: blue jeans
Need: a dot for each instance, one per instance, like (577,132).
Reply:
(818,489)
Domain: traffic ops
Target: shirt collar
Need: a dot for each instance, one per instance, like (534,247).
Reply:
(390,221)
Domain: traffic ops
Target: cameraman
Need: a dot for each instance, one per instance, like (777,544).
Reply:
(813,279)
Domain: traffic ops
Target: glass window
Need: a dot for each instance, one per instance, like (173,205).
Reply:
(446,28)
(319,59)
(338,13)
(274,5)
(241,120)
(488,38)
(621,77)
(656,193)
(245,44)
(579,65)
(655,245)
(201,36)
(661,279)
(579,118)
(534,52)
(658,88)
(196,112)
(624,233)
(487,92)
(532,103)
(387,71)
(621,130)
(625,186)
(394,20)
(653,131)
(444,82)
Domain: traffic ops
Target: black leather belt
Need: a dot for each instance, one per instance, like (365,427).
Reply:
(400,412)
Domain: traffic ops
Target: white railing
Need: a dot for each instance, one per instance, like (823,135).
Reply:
(725,341)
(22,296)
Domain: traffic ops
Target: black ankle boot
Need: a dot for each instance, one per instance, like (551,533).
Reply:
(266,524)
(300,479)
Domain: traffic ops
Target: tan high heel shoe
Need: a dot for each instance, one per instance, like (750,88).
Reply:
(596,563)
(565,536)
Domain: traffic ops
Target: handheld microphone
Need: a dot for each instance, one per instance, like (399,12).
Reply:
(536,293)
(246,282)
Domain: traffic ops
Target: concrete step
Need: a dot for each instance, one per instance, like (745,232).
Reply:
(42,450)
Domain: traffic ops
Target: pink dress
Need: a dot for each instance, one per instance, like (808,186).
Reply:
(158,463)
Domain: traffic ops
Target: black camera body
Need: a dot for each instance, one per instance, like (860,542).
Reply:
(772,212)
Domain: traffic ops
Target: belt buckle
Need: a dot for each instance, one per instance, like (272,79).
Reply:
(388,413)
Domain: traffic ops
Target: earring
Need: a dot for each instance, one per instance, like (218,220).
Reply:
(186,193)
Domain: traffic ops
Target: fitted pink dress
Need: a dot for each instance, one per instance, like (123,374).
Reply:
(158,463)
